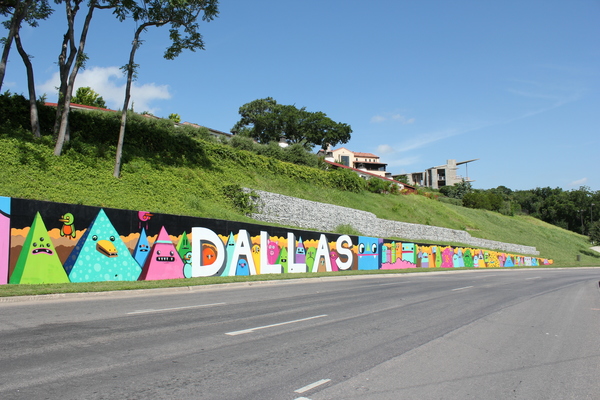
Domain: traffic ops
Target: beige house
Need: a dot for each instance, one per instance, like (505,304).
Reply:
(361,161)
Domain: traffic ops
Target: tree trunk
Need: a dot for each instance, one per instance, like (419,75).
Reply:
(15,24)
(64,120)
(130,72)
(33,111)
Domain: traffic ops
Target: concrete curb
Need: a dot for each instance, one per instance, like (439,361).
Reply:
(233,285)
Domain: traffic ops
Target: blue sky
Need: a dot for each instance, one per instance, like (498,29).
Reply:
(512,83)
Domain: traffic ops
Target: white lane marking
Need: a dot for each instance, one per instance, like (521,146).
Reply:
(535,277)
(174,308)
(312,386)
(301,398)
(234,333)
(462,288)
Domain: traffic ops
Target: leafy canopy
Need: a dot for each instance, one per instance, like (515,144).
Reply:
(88,97)
(266,121)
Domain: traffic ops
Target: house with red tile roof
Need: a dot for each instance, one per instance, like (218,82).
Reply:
(361,161)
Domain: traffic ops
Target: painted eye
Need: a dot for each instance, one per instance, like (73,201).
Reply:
(94,238)
(361,248)
(47,244)
(374,248)
(158,252)
(34,244)
(171,253)
(112,238)
(41,239)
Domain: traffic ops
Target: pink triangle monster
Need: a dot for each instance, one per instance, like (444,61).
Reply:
(163,262)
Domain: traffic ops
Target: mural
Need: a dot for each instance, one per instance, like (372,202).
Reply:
(45,242)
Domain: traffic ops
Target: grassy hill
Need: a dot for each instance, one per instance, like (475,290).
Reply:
(189,178)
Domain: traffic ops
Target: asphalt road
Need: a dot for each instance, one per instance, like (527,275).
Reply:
(488,334)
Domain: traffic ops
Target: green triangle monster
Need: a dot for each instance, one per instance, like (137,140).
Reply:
(184,248)
(38,261)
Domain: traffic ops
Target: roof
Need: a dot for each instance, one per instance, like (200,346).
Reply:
(365,155)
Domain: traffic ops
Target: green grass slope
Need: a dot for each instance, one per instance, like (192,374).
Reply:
(83,175)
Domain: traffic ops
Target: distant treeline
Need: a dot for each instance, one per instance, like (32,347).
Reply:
(577,210)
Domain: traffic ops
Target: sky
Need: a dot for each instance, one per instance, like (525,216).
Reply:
(512,83)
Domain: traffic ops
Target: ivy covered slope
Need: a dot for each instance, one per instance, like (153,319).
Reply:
(184,171)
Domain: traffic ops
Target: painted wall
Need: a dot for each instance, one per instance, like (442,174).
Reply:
(45,242)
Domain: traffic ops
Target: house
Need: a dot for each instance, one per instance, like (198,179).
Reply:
(436,177)
(366,162)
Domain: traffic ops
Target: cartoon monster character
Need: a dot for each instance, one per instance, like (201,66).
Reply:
(163,262)
(38,261)
(68,229)
(256,257)
(447,255)
(242,267)
(468,258)
(272,252)
(101,255)
(333,256)
(369,255)
(229,250)
(142,248)
(311,254)
(283,259)
(408,253)
(184,249)
(300,256)
(144,217)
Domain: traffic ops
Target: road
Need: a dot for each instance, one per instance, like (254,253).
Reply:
(485,334)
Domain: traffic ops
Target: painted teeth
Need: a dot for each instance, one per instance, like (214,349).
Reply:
(165,258)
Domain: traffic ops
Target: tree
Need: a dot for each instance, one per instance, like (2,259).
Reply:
(175,118)
(72,58)
(458,190)
(594,232)
(29,11)
(88,97)
(182,16)
(266,121)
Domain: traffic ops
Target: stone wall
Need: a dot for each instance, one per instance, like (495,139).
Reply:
(291,211)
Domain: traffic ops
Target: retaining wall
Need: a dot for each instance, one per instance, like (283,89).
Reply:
(292,211)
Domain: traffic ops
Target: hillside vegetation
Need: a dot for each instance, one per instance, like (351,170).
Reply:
(188,173)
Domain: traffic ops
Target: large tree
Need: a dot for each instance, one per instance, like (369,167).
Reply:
(266,121)
(182,18)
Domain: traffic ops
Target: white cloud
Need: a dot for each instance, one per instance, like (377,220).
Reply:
(109,82)
(427,138)
(377,119)
(403,162)
(579,182)
(385,149)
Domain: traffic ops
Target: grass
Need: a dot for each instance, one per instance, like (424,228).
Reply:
(30,170)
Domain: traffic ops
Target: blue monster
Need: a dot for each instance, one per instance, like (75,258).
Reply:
(369,253)
(142,248)
(242,268)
